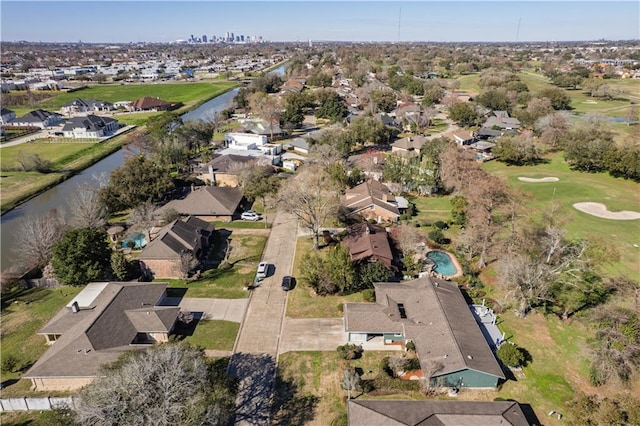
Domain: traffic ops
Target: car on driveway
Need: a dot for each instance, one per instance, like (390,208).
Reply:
(250,215)
(288,282)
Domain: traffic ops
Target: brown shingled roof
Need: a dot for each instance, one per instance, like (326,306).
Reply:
(207,201)
(368,242)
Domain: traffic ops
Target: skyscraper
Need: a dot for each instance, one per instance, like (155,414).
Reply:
(204,38)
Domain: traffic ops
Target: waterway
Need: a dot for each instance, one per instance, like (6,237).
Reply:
(56,197)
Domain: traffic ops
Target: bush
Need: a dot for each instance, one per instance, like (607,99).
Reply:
(437,236)
(440,225)
(369,295)
(349,351)
(10,364)
(510,355)
(410,346)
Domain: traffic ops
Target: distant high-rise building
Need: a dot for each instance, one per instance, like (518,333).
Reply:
(204,38)
(242,38)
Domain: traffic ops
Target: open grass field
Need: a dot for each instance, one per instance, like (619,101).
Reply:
(24,312)
(303,303)
(54,152)
(190,94)
(16,187)
(573,187)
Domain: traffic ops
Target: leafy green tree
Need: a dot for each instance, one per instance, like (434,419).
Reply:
(510,355)
(516,151)
(433,94)
(159,126)
(367,129)
(332,108)
(436,235)
(458,210)
(82,255)
(384,99)
(462,112)
(320,79)
(586,147)
(169,384)
(267,83)
(558,97)
(496,99)
(341,269)
(137,181)
(371,272)
(122,268)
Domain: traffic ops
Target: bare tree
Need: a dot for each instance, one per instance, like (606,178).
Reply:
(36,237)
(87,209)
(142,218)
(324,155)
(350,380)
(266,107)
(311,197)
(187,263)
(169,384)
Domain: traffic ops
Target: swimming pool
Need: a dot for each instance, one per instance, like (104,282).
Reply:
(443,262)
(138,238)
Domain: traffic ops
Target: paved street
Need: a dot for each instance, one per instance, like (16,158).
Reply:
(254,359)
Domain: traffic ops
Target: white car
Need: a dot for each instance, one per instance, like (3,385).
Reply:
(263,270)
(250,215)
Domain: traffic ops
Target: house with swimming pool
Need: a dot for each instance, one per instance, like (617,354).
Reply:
(434,315)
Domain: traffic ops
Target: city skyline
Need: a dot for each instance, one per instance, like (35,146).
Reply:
(360,21)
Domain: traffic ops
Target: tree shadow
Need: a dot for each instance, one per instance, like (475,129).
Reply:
(290,405)
(24,296)
(182,330)
(256,375)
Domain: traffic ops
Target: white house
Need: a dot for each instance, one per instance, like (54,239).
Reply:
(244,141)
(38,118)
(91,126)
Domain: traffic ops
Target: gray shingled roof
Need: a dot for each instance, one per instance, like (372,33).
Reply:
(207,201)
(369,193)
(88,103)
(100,333)
(90,122)
(440,413)
(177,237)
(438,320)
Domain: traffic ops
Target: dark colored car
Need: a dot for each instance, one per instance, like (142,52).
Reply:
(288,282)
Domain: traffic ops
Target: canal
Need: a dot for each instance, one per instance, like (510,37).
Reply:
(56,197)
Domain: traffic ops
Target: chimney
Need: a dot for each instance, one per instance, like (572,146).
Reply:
(384,197)
(74,307)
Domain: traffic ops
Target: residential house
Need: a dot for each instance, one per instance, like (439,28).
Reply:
(293,85)
(371,163)
(387,120)
(90,126)
(408,146)
(372,201)
(262,127)
(153,104)
(369,243)
(208,203)
(38,118)
(96,327)
(383,412)
(177,246)
(244,141)
(6,115)
(463,137)
(86,105)
(223,170)
(434,315)
(501,120)
(298,144)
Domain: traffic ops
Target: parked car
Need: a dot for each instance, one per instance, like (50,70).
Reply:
(250,215)
(288,282)
(263,270)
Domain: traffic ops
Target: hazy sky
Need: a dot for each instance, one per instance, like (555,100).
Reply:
(164,21)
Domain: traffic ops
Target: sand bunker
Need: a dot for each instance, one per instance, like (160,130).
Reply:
(544,179)
(600,210)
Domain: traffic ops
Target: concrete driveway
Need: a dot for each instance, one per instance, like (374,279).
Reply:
(216,309)
(312,334)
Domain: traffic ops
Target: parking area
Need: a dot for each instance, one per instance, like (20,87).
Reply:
(312,334)
(212,309)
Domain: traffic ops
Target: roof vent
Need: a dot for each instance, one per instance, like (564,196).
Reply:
(75,307)
(469,356)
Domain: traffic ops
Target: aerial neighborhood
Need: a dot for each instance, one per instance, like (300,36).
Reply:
(320,233)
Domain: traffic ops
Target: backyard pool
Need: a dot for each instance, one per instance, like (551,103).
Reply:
(443,262)
(139,240)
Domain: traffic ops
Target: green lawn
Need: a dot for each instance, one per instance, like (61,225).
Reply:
(573,187)
(24,312)
(188,93)
(431,209)
(469,83)
(16,187)
(303,303)
(214,334)
(52,151)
